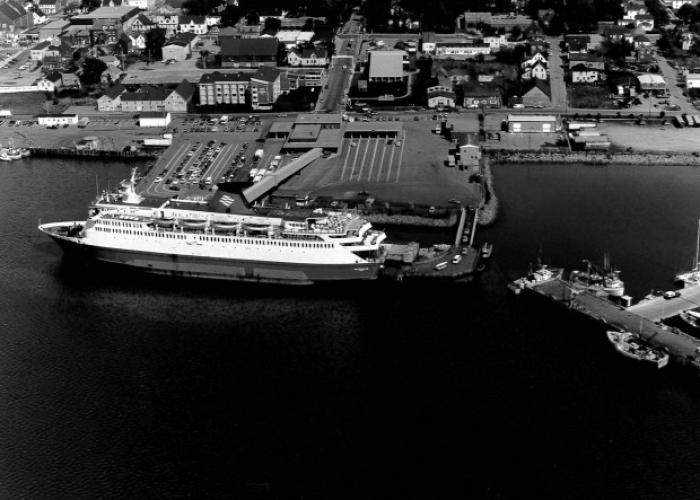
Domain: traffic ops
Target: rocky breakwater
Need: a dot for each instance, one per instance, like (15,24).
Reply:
(595,158)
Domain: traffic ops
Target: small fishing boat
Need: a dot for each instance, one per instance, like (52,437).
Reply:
(541,275)
(632,346)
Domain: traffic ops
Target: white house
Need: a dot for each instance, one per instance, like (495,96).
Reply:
(308,57)
(193,24)
(582,74)
(496,41)
(57,119)
(154,119)
(537,70)
(39,50)
(538,57)
(441,98)
(138,41)
(460,50)
(692,80)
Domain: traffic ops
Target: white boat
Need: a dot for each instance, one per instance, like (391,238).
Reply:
(541,275)
(692,277)
(632,346)
(692,318)
(9,154)
(180,238)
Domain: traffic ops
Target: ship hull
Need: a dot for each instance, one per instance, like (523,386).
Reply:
(217,268)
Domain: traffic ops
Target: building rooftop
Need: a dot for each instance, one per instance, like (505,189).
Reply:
(109,13)
(531,118)
(224,77)
(322,118)
(259,46)
(153,114)
(386,63)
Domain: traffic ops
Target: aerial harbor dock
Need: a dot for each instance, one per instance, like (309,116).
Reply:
(643,319)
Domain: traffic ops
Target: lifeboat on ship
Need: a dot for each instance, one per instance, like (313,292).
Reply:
(224,226)
(164,222)
(193,223)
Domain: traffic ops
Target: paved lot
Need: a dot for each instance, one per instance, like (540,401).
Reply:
(665,138)
(371,160)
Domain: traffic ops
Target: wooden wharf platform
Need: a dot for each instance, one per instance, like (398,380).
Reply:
(682,348)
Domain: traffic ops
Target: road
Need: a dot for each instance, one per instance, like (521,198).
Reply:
(669,75)
(556,76)
(337,81)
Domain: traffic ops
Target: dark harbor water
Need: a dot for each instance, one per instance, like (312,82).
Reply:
(117,386)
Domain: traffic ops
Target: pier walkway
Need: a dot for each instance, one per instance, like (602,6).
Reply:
(682,347)
(660,308)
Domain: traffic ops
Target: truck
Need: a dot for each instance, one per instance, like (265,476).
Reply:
(82,123)
(258,153)
(5,112)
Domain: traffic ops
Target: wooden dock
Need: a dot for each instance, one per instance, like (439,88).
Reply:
(682,348)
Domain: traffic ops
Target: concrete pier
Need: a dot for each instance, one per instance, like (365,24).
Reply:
(682,348)
(660,308)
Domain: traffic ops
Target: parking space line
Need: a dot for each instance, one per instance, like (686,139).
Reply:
(346,153)
(364,160)
(391,160)
(371,164)
(381,163)
(398,166)
(354,162)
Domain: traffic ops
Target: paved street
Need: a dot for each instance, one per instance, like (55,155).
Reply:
(333,92)
(556,76)
(671,78)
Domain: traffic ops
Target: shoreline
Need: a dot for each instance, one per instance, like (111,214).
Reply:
(586,158)
(488,211)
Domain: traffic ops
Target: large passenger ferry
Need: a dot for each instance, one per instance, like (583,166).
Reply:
(187,238)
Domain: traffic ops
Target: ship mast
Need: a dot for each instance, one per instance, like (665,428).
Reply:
(696,264)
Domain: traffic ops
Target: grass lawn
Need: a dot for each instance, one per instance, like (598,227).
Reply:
(23,103)
(585,96)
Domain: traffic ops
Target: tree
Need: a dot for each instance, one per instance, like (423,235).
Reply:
(92,70)
(231,15)
(516,33)
(90,4)
(252,18)
(155,39)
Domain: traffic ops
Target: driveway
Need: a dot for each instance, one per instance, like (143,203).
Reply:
(556,76)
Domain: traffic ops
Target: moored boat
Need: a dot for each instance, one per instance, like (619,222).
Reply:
(541,275)
(180,238)
(692,318)
(692,277)
(633,346)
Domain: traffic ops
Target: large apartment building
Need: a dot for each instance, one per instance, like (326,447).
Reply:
(223,88)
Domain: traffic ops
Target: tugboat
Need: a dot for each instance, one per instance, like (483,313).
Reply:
(541,275)
(692,318)
(630,344)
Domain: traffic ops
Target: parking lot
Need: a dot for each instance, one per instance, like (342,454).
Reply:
(375,159)
(193,166)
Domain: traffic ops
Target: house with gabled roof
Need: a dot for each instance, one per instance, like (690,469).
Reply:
(111,99)
(50,7)
(248,52)
(14,17)
(538,70)
(537,94)
(142,24)
(192,24)
(308,56)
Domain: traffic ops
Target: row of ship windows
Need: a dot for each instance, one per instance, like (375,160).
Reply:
(221,239)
